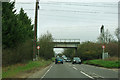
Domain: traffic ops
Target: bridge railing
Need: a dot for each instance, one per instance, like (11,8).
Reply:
(66,40)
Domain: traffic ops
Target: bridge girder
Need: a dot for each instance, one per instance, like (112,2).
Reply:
(66,44)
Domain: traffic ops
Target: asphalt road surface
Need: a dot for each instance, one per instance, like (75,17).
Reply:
(69,70)
(78,71)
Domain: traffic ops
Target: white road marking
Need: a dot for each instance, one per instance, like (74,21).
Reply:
(75,68)
(87,75)
(98,75)
(73,65)
(46,72)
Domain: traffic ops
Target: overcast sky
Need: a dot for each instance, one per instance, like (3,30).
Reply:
(68,0)
(73,19)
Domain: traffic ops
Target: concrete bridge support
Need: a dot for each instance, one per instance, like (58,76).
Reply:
(75,51)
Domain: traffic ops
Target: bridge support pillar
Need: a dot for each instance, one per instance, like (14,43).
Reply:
(75,51)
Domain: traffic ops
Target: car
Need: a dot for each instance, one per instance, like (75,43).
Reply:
(68,59)
(58,60)
(76,60)
(64,58)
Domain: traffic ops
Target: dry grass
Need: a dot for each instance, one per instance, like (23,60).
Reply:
(112,59)
(13,70)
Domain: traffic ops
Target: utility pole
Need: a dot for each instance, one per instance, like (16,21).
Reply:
(35,31)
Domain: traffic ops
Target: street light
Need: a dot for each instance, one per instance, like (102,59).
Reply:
(35,30)
(103,38)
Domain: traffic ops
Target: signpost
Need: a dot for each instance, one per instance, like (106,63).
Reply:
(106,55)
(103,57)
(103,46)
(38,47)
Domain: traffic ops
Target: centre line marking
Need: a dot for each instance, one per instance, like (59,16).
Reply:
(87,75)
(75,68)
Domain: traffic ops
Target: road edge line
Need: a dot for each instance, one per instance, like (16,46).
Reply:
(46,72)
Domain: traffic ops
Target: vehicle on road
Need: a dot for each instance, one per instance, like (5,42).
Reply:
(58,60)
(64,58)
(68,59)
(76,60)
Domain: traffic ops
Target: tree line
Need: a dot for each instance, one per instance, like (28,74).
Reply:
(17,37)
(46,46)
(93,50)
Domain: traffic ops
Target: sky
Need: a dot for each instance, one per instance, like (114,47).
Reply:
(73,19)
(68,0)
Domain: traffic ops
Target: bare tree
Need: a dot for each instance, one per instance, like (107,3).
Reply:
(100,38)
(107,37)
(117,33)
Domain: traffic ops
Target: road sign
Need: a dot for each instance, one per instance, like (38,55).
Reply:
(38,47)
(103,46)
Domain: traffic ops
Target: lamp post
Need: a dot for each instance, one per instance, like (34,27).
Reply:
(103,39)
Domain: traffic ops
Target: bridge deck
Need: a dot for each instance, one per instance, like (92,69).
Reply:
(66,43)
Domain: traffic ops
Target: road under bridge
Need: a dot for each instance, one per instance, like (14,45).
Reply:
(66,43)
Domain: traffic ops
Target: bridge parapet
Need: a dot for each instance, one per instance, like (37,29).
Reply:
(66,43)
(66,40)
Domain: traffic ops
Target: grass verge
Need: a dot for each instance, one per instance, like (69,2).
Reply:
(8,72)
(103,63)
